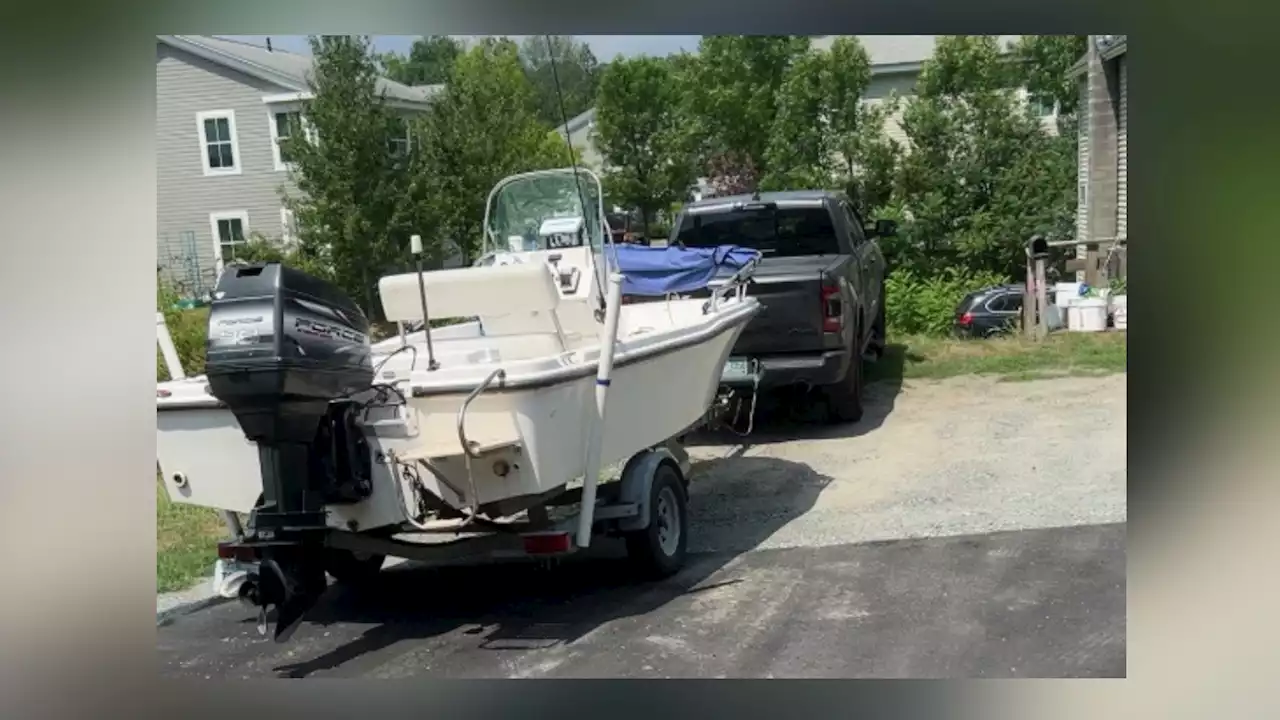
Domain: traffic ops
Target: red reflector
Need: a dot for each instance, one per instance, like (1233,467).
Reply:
(163,393)
(232,551)
(965,319)
(547,544)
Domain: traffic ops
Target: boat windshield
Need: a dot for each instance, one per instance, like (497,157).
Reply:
(520,208)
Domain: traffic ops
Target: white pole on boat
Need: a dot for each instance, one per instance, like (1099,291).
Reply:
(608,339)
(167,349)
(415,246)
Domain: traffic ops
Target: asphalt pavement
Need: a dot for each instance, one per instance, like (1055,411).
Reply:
(1031,603)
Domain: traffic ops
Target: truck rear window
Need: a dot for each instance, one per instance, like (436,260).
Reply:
(775,232)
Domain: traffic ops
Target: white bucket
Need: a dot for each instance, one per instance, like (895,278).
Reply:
(1065,292)
(1087,314)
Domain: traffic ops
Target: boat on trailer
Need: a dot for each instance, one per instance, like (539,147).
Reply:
(482,439)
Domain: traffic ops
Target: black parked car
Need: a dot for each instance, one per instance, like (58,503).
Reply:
(993,311)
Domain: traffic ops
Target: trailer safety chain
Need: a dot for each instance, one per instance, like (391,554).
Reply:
(751,415)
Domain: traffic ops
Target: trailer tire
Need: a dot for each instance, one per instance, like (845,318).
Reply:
(659,550)
(351,568)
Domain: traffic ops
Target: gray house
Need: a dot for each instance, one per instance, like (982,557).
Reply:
(581,139)
(221,108)
(1103,180)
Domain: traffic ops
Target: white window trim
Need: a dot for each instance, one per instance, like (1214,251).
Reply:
(408,136)
(214,217)
(230,116)
(307,131)
(288,226)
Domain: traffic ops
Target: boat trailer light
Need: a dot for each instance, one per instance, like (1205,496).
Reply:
(235,551)
(547,543)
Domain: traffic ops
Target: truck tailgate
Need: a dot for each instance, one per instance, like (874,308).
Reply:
(790,319)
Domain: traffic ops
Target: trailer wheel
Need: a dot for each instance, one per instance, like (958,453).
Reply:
(658,551)
(352,568)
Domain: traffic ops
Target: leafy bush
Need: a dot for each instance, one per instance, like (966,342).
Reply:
(916,304)
(259,249)
(188,328)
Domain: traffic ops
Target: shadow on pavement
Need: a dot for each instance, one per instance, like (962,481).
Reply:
(784,415)
(735,505)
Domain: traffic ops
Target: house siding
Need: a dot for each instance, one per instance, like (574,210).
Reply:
(1122,152)
(890,85)
(1082,166)
(185,197)
(584,147)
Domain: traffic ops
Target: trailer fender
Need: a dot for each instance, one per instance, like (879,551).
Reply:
(637,479)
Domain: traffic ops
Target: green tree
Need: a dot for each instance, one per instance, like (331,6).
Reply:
(1044,64)
(576,68)
(731,91)
(481,129)
(866,158)
(799,153)
(429,61)
(637,131)
(982,174)
(350,212)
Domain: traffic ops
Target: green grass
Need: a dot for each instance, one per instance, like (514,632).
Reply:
(1009,358)
(185,539)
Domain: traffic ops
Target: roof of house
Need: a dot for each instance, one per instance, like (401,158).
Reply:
(1109,46)
(895,53)
(578,122)
(283,68)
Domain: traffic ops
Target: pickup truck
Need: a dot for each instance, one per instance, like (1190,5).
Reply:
(820,282)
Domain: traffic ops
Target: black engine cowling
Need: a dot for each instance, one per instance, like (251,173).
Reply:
(286,352)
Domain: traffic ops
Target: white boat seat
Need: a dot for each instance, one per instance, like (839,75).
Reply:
(491,291)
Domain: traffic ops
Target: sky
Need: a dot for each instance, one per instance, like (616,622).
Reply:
(605,47)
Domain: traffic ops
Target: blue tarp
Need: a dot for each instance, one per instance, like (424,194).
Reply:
(659,271)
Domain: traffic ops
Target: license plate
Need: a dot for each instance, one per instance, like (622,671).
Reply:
(736,369)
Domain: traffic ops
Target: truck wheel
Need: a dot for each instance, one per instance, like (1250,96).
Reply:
(352,568)
(658,551)
(878,332)
(844,399)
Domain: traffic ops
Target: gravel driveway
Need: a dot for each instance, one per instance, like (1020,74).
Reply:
(960,456)
(964,528)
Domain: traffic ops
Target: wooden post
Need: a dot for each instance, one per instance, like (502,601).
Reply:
(1042,296)
(1091,265)
(1029,301)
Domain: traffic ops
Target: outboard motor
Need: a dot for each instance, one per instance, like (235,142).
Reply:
(285,353)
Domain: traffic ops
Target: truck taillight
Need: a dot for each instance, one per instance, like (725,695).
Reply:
(832,309)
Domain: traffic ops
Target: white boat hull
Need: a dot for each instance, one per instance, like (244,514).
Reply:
(538,434)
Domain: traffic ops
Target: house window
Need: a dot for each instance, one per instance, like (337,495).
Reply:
(399,142)
(219,149)
(284,126)
(230,234)
(1041,108)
